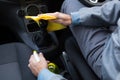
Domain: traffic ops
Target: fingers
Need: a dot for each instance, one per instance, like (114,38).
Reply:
(29,65)
(41,55)
(48,61)
(61,18)
(32,59)
(33,69)
(56,14)
(32,62)
(35,66)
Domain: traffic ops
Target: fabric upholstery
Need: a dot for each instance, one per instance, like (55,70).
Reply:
(14,59)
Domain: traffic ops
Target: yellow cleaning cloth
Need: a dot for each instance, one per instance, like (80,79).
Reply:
(51,25)
(35,18)
(41,16)
(54,26)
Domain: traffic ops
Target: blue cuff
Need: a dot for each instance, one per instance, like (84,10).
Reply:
(75,19)
(45,74)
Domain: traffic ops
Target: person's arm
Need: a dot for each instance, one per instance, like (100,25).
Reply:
(105,15)
(40,70)
(45,74)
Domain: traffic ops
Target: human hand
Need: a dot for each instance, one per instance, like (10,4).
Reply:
(61,18)
(35,66)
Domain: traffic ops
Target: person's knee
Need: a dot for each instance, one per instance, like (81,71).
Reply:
(66,6)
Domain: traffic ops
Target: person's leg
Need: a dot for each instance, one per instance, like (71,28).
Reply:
(90,40)
(78,61)
(69,6)
(111,56)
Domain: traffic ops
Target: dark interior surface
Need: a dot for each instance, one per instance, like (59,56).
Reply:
(15,28)
(6,35)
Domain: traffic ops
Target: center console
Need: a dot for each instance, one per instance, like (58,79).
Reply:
(45,42)
(30,33)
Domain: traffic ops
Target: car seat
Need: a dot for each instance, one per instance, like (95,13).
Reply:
(14,59)
(78,61)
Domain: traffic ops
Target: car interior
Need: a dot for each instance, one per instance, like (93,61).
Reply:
(14,28)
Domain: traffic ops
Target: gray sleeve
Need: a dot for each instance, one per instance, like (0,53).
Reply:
(57,77)
(45,74)
(104,15)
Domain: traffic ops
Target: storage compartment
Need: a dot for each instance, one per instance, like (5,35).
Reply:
(66,69)
(61,67)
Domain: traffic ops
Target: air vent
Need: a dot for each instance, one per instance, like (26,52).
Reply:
(33,27)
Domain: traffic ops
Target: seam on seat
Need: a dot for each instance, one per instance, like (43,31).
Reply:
(9,63)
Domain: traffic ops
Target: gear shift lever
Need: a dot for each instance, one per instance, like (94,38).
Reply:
(43,39)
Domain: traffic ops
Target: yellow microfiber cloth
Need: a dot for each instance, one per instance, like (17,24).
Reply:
(39,17)
(52,26)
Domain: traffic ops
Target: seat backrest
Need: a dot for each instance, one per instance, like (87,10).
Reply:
(14,62)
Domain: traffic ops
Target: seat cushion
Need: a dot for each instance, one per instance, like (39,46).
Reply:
(10,71)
